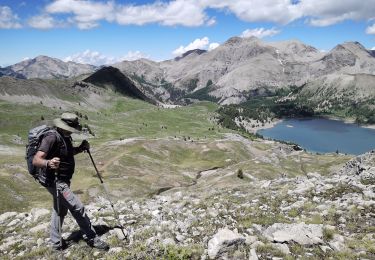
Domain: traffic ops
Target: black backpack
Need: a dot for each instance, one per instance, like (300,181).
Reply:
(34,139)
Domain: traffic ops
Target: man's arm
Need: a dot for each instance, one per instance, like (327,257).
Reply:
(84,146)
(40,161)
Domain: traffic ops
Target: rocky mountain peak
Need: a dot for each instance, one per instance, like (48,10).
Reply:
(46,67)
(354,47)
(195,52)
(233,41)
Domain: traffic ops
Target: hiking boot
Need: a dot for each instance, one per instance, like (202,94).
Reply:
(58,247)
(96,242)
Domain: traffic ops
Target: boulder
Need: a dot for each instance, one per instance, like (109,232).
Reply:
(282,247)
(14,222)
(118,233)
(303,234)
(303,185)
(253,254)
(37,213)
(337,243)
(7,215)
(41,227)
(115,250)
(222,241)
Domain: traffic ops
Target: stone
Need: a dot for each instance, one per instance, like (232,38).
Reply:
(118,233)
(256,244)
(302,187)
(337,243)
(222,241)
(325,248)
(369,193)
(115,250)
(282,247)
(266,184)
(7,215)
(253,254)
(303,234)
(250,240)
(39,242)
(180,238)
(14,222)
(37,213)
(41,227)
(6,245)
(168,241)
(213,212)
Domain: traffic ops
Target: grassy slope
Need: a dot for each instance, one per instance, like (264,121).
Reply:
(169,148)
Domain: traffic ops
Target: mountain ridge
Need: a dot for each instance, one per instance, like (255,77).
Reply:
(235,70)
(48,68)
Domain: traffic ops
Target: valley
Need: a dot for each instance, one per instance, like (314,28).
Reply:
(189,179)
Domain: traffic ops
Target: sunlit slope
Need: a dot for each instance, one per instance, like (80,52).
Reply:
(142,150)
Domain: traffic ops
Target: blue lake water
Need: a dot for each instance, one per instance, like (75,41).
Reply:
(323,135)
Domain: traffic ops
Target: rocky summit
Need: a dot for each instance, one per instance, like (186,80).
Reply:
(315,216)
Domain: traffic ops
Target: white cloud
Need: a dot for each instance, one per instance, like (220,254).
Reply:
(43,22)
(278,11)
(325,13)
(98,59)
(8,20)
(259,32)
(134,55)
(211,22)
(213,45)
(196,44)
(87,14)
(371,29)
(373,48)
(179,12)
(203,44)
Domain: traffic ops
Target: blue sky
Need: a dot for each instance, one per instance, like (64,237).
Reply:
(106,31)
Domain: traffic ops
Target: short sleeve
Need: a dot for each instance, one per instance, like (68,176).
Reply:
(48,143)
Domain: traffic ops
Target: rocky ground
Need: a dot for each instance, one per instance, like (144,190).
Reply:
(316,216)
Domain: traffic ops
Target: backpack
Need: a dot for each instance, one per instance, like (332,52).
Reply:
(35,137)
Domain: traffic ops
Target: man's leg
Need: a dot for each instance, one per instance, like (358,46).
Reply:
(54,232)
(75,206)
(70,201)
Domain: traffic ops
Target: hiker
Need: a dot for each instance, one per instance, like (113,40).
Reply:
(56,155)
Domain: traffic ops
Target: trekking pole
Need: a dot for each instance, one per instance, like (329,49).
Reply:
(107,194)
(58,214)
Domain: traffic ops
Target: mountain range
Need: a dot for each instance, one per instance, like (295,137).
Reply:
(231,73)
(46,68)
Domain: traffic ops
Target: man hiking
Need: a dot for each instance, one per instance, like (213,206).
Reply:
(55,158)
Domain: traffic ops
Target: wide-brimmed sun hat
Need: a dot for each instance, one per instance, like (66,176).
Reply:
(68,122)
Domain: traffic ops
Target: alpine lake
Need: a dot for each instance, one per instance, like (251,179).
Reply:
(322,135)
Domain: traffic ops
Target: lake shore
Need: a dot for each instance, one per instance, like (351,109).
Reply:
(325,135)
(348,121)
(252,126)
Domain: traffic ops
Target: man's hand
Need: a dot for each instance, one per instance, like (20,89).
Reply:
(85,146)
(54,163)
